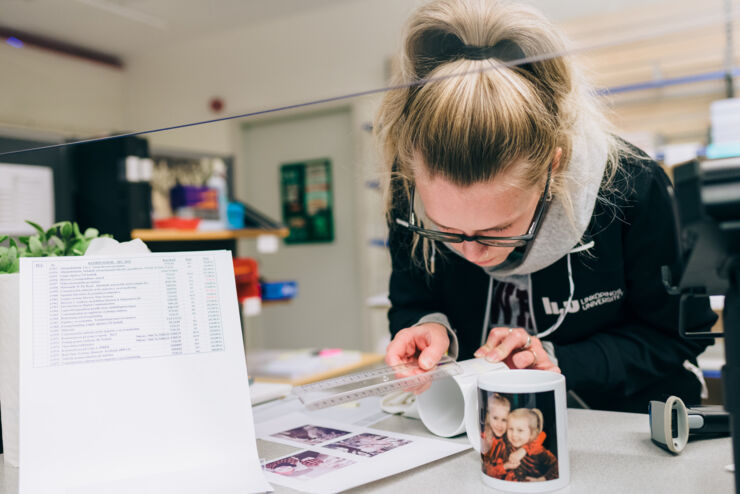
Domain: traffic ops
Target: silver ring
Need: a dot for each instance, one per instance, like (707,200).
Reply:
(534,355)
(529,342)
(511,330)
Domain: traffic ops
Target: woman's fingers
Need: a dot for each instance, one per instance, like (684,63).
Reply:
(427,342)
(495,336)
(432,354)
(502,342)
(400,349)
(517,348)
(534,357)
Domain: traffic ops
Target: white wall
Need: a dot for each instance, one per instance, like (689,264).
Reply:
(323,53)
(54,93)
(327,310)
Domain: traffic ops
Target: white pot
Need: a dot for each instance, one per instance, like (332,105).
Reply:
(9,354)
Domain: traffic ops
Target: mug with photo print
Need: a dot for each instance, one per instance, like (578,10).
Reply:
(517,421)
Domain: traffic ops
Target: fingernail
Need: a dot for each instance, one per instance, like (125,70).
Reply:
(478,354)
(424,363)
(493,357)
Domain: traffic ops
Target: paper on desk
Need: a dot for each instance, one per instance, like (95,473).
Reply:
(333,456)
(295,364)
(132,376)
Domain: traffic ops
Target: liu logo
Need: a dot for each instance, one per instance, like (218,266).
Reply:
(583,303)
(552,308)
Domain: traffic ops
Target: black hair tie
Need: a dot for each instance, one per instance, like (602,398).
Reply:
(505,50)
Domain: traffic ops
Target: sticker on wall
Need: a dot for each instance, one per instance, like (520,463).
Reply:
(306,194)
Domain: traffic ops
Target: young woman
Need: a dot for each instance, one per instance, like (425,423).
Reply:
(521,229)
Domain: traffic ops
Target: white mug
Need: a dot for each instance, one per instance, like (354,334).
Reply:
(442,407)
(522,415)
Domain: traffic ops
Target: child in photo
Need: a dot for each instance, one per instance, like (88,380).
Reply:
(528,461)
(306,464)
(368,445)
(311,434)
(493,439)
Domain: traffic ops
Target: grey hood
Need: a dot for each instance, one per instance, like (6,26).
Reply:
(558,235)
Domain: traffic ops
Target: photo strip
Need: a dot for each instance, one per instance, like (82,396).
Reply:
(367,444)
(307,465)
(519,436)
(311,434)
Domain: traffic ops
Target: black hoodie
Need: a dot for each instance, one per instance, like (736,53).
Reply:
(618,346)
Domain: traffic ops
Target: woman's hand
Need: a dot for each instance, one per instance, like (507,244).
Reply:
(428,342)
(517,349)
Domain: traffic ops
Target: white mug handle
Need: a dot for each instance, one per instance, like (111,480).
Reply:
(472,420)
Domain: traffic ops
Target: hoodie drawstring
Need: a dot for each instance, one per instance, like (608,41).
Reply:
(560,320)
(487,315)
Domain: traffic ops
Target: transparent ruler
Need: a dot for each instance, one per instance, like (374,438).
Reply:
(381,381)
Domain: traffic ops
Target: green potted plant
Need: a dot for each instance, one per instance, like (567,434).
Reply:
(62,239)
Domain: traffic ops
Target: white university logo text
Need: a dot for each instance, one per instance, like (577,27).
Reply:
(582,304)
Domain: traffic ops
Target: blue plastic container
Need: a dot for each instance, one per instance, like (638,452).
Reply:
(279,290)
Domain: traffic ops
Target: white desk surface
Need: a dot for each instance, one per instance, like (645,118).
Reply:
(609,452)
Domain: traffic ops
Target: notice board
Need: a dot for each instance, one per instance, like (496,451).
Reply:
(306,196)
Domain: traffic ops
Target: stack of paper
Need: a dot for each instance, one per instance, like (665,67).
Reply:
(725,136)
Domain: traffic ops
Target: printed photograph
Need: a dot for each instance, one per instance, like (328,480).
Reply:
(311,434)
(307,465)
(519,439)
(369,445)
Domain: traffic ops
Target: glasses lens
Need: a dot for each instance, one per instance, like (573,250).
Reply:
(502,243)
(439,236)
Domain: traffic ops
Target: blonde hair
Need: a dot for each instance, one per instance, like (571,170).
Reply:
(497,399)
(532,415)
(470,120)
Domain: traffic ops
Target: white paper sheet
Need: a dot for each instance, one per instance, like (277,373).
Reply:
(335,456)
(26,193)
(133,377)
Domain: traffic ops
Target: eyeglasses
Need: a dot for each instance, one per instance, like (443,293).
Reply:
(456,238)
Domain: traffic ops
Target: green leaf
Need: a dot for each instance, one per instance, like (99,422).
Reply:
(12,243)
(91,233)
(76,248)
(24,240)
(57,242)
(3,238)
(76,229)
(42,234)
(9,261)
(67,230)
(37,250)
(51,231)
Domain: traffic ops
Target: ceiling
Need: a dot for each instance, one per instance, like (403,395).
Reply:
(124,27)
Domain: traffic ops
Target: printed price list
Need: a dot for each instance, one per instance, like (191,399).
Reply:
(106,309)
